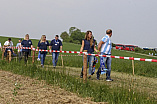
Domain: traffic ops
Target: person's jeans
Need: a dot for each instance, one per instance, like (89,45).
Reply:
(43,55)
(20,55)
(107,60)
(26,53)
(90,60)
(39,54)
(55,58)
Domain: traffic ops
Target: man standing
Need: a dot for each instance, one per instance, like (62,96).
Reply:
(106,45)
(55,44)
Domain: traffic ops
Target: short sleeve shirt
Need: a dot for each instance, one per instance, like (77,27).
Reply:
(106,47)
(56,44)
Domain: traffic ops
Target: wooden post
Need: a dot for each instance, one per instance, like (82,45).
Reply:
(33,56)
(85,67)
(9,56)
(133,67)
(62,60)
(3,50)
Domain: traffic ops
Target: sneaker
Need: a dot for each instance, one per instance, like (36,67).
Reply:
(109,79)
(38,59)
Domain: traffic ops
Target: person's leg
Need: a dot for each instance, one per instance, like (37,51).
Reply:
(25,55)
(90,59)
(108,62)
(53,58)
(42,59)
(38,59)
(56,58)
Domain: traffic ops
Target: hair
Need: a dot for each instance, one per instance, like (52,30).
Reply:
(42,37)
(91,39)
(9,38)
(57,36)
(109,31)
(27,35)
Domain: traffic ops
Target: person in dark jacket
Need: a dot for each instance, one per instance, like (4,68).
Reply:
(42,44)
(55,44)
(26,43)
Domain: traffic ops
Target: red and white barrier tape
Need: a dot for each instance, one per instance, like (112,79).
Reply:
(119,57)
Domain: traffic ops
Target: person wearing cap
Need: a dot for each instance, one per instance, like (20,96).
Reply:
(105,46)
(9,44)
(26,43)
(19,50)
(42,44)
(55,44)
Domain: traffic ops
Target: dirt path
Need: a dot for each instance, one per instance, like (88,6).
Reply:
(16,89)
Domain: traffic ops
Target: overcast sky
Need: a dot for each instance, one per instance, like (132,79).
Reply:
(132,21)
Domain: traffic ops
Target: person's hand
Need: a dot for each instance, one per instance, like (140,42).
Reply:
(79,54)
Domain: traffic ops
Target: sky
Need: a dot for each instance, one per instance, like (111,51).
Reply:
(132,21)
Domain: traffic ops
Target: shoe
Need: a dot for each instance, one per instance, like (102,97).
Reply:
(89,77)
(109,79)
(38,59)
(81,75)
(42,66)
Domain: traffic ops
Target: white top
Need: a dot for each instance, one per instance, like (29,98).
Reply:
(0,45)
(10,44)
(106,47)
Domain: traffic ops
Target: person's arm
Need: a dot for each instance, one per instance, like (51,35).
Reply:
(95,48)
(60,48)
(81,49)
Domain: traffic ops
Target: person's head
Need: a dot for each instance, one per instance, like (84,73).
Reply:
(9,39)
(26,37)
(88,35)
(109,32)
(20,40)
(56,37)
(43,37)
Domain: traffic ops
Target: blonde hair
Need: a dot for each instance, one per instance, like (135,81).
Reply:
(27,35)
(42,38)
(87,38)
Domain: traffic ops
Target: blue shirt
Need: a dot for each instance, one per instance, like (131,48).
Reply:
(26,43)
(87,46)
(43,45)
(106,47)
(56,44)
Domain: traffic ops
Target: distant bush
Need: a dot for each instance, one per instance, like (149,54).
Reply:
(140,50)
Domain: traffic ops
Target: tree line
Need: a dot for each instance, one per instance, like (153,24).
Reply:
(75,35)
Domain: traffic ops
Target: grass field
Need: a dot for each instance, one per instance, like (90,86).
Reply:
(120,65)
(95,90)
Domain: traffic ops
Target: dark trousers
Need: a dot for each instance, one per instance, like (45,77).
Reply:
(25,53)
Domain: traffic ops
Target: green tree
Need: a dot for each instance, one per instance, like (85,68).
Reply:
(64,35)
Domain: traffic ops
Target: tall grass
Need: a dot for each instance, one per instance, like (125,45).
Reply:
(97,91)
